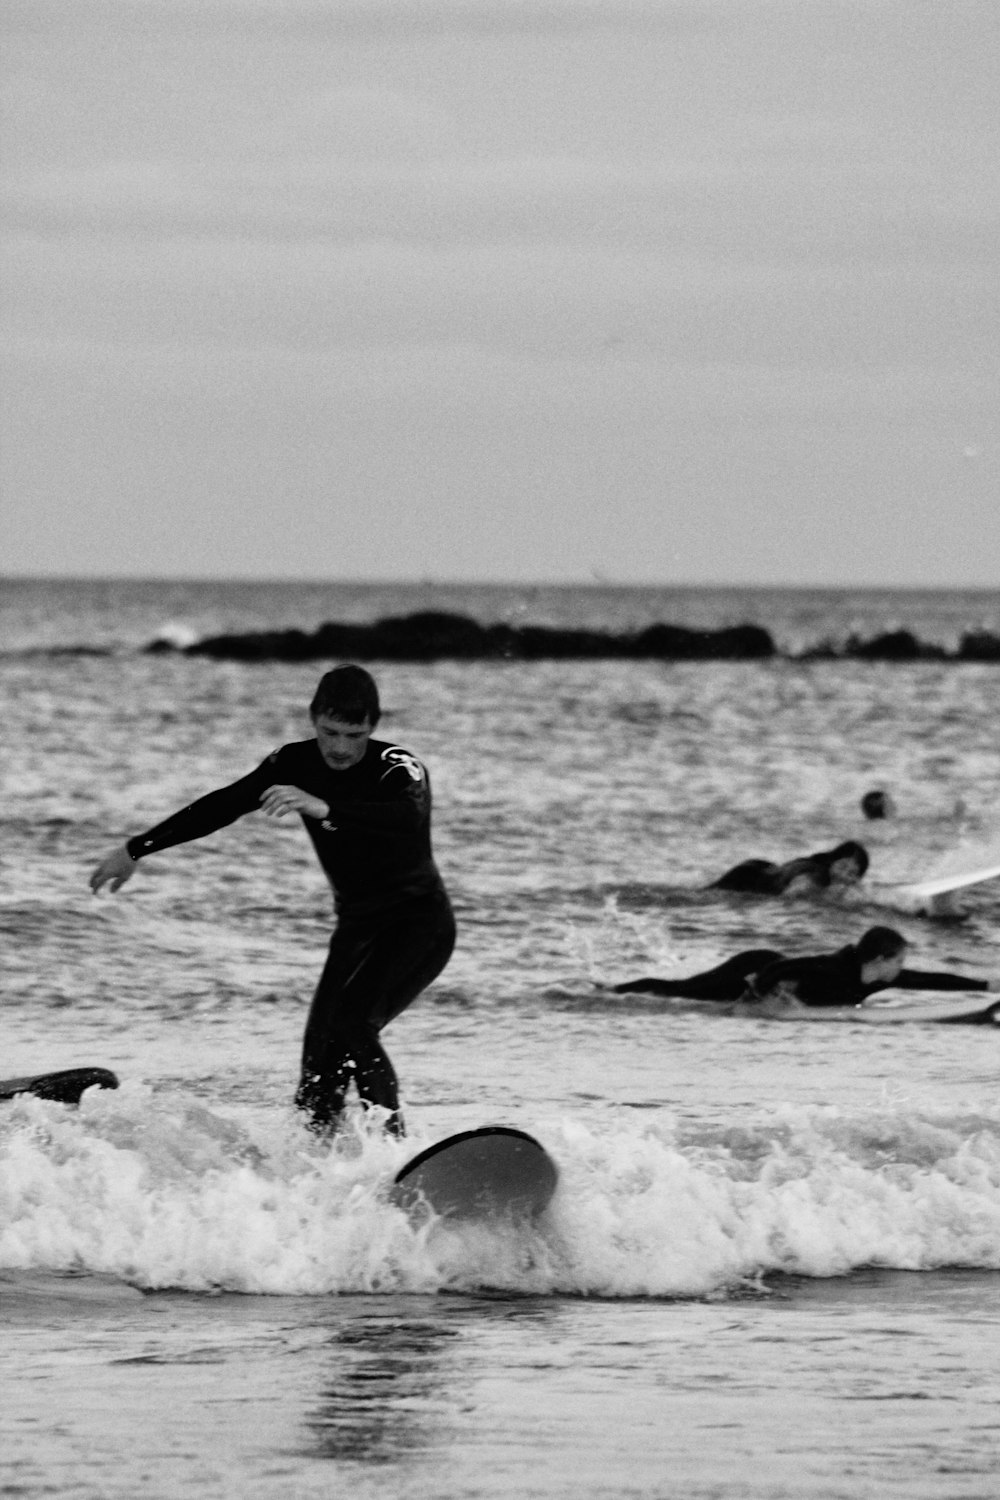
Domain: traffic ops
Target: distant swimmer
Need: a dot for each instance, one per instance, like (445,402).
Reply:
(828,869)
(366,806)
(845,977)
(877,804)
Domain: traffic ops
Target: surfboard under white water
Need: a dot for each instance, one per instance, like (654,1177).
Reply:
(495,1172)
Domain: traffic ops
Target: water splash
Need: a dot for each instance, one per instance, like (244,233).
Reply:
(162,1192)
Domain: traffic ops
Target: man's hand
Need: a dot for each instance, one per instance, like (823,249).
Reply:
(279,800)
(118,866)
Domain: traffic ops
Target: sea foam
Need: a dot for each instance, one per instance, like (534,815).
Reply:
(163,1192)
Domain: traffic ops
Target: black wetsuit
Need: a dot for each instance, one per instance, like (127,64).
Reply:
(835,979)
(762,877)
(726,982)
(395,929)
(825,979)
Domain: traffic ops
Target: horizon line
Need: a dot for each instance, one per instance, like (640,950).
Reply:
(595,583)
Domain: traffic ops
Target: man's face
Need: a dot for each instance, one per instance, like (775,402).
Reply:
(882,970)
(845,871)
(341,744)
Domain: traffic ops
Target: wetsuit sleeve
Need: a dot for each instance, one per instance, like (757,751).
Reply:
(208,814)
(922,979)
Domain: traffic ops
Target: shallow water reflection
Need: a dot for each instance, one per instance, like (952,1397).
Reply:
(389,1392)
(400,1386)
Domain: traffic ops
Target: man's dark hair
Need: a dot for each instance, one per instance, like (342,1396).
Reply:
(850,849)
(880,942)
(348,693)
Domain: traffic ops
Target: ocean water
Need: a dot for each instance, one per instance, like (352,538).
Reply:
(772,1266)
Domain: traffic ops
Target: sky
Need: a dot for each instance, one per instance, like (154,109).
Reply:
(628,291)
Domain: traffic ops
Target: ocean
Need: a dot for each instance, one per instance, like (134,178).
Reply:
(772,1266)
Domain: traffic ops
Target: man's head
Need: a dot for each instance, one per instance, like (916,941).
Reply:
(881,951)
(344,711)
(347,693)
(847,863)
(881,942)
(877,804)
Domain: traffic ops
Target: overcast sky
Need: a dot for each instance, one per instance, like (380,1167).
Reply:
(667,291)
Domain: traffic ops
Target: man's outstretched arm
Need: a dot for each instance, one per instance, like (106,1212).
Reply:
(204,816)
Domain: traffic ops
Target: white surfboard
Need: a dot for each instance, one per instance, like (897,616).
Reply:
(974,862)
(934,1008)
(494,1173)
(956,1009)
(957,880)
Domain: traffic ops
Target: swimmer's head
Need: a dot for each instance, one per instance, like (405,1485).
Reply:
(877,804)
(845,864)
(881,942)
(806,874)
(881,951)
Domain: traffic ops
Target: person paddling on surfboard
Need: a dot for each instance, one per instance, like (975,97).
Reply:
(846,977)
(827,869)
(366,806)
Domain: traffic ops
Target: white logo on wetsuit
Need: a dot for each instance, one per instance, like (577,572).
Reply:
(396,757)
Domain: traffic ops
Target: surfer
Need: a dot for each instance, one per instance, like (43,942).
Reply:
(877,804)
(827,869)
(845,977)
(366,806)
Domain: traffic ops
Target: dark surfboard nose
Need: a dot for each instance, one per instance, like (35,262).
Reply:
(65,1087)
(495,1172)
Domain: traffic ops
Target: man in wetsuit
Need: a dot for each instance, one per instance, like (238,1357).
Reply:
(846,977)
(827,869)
(366,806)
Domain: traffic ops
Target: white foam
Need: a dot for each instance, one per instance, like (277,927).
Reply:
(162,1193)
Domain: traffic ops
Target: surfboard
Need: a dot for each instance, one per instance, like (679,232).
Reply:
(493,1173)
(973,862)
(953,1012)
(65,1086)
(948,1009)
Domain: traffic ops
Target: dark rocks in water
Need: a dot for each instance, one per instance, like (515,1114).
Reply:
(436,635)
(432,635)
(893,645)
(979,645)
(266,645)
(731,643)
(420,637)
(426,636)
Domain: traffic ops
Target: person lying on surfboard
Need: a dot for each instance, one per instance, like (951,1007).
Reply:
(366,806)
(846,977)
(827,869)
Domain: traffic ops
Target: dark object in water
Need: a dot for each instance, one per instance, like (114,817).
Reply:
(64,1087)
